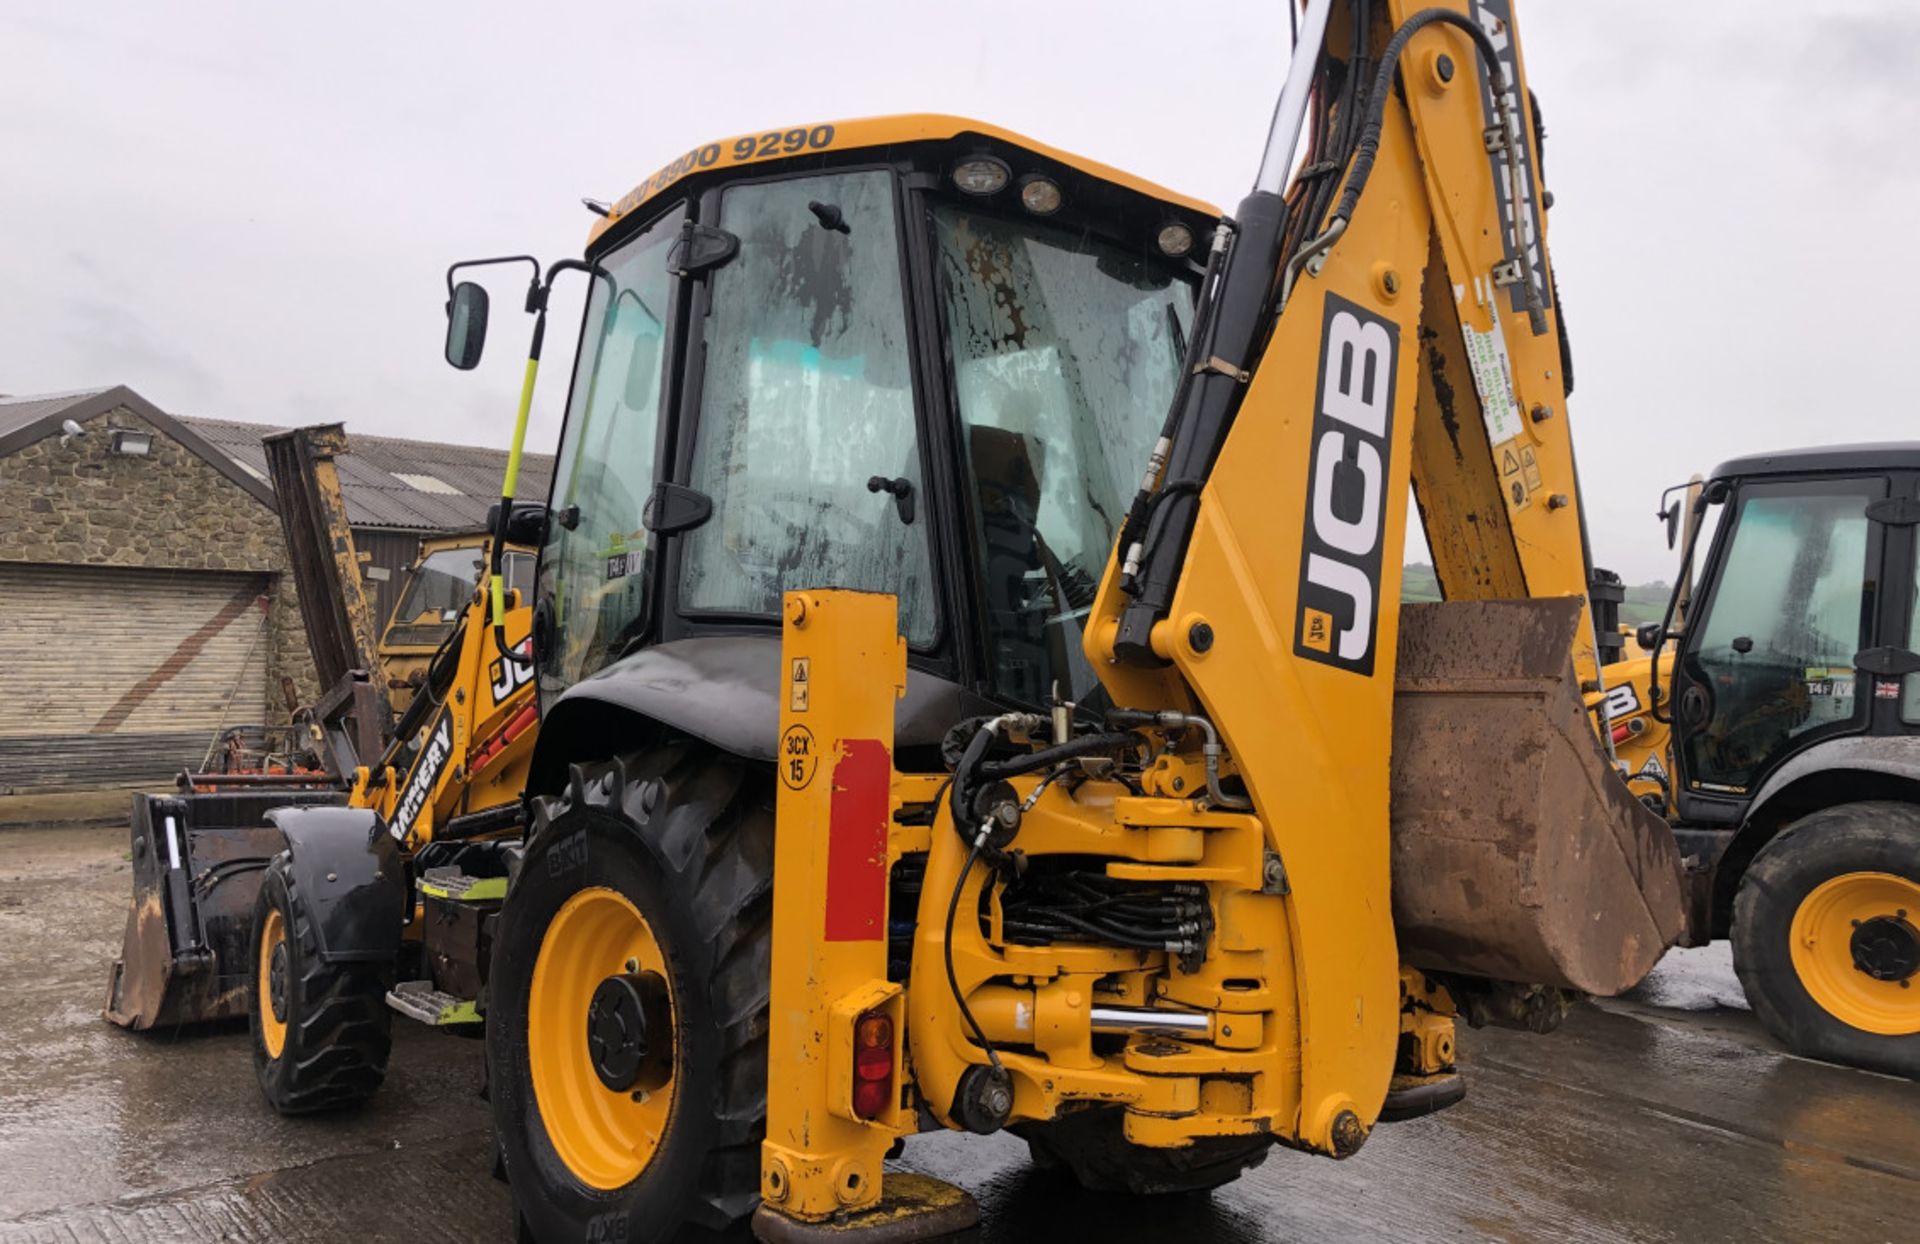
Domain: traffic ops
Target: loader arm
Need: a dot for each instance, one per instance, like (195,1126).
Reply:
(1390,320)
(353,709)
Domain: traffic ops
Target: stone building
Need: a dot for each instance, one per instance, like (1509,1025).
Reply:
(143,578)
(144,594)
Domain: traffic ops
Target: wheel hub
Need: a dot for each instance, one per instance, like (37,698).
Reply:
(277,982)
(625,1009)
(1887,948)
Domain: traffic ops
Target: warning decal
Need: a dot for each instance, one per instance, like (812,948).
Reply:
(1529,468)
(1513,458)
(802,685)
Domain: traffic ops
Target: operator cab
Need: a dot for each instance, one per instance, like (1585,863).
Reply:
(914,355)
(1804,628)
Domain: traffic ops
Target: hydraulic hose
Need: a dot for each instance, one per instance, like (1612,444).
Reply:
(1046,757)
(1368,148)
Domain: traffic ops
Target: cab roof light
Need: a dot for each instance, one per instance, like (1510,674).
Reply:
(981,175)
(1174,239)
(1040,195)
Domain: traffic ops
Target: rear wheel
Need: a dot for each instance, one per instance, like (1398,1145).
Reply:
(1826,936)
(1091,1145)
(627,1030)
(321,1031)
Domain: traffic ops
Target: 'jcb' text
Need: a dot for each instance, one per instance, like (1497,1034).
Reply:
(1347,488)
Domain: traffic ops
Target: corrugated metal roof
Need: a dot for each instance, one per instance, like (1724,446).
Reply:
(18,412)
(369,476)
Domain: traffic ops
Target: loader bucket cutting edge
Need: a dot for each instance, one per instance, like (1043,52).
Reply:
(197,862)
(1518,853)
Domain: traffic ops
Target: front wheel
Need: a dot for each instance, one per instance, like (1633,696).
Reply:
(627,1035)
(321,1031)
(1826,936)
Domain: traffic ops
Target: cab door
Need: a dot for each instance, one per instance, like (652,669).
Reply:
(1767,665)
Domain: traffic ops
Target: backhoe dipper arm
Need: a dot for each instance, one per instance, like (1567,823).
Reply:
(1389,320)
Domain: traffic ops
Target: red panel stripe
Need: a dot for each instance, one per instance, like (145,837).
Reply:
(857,843)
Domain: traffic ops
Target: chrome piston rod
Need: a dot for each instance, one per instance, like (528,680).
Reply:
(1146,1019)
(1290,113)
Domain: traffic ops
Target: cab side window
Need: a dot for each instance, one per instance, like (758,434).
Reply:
(1793,604)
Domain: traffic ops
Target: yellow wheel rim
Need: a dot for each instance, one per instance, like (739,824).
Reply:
(605,1137)
(273,960)
(1847,930)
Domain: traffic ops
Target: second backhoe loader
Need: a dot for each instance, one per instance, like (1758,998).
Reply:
(1775,720)
(317,904)
(973,689)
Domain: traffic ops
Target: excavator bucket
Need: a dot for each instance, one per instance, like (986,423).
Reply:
(1518,853)
(197,861)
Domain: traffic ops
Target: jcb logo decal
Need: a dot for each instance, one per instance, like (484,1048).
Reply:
(505,677)
(1338,616)
(1622,701)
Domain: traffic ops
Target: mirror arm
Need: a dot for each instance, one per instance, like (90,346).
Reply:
(499,259)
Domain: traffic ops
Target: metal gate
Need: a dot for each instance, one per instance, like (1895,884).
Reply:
(121,676)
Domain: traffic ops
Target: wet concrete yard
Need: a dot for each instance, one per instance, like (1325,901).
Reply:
(1665,1117)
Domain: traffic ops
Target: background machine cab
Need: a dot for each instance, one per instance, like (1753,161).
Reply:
(1787,707)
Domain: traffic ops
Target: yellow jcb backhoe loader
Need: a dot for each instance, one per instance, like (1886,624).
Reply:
(969,659)
(318,904)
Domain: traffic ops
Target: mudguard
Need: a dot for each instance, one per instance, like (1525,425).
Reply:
(348,872)
(723,690)
(1893,755)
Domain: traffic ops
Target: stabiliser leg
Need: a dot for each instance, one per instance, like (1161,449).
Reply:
(837,1024)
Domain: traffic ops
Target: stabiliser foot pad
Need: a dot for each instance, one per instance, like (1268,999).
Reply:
(1414,1096)
(911,1207)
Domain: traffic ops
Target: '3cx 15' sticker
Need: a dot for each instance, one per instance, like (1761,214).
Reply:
(1347,474)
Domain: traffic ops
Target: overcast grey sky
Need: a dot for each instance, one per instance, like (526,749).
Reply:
(245,210)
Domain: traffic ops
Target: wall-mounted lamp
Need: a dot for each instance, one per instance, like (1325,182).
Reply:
(131,443)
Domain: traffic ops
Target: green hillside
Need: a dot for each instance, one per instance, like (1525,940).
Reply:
(1644,602)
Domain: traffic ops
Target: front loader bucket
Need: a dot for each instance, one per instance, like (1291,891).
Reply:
(197,862)
(1518,853)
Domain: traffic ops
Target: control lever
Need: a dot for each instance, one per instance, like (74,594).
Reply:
(902,490)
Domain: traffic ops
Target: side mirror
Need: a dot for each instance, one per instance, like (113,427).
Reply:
(466,325)
(1648,636)
(1672,515)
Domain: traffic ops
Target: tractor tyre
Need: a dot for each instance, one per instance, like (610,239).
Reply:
(321,1031)
(1826,936)
(1091,1145)
(627,1026)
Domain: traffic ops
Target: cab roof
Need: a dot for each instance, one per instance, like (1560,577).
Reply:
(868,133)
(1867,456)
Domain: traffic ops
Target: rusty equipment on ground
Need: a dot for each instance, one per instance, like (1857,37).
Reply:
(285,897)
(1023,540)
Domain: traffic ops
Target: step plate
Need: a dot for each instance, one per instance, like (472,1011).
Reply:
(420,1000)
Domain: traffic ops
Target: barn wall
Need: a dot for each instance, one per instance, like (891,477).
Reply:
(80,504)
